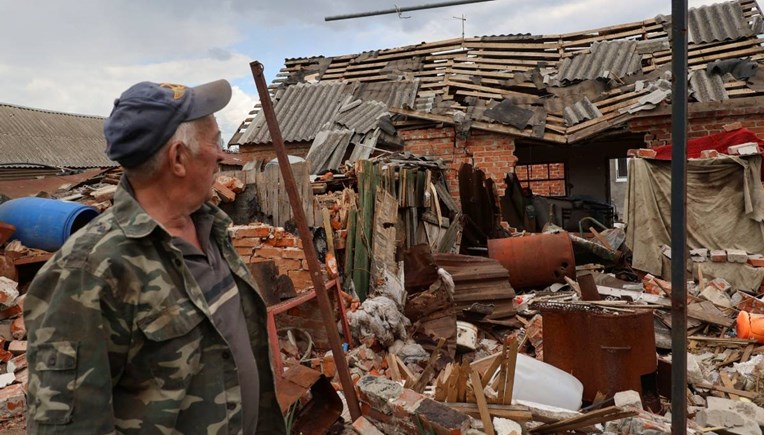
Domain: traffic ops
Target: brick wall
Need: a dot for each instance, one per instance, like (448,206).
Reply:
(261,242)
(658,129)
(493,153)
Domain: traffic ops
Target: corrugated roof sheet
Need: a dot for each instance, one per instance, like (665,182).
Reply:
(361,117)
(328,149)
(707,87)
(33,136)
(393,93)
(301,111)
(616,57)
(717,22)
(580,111)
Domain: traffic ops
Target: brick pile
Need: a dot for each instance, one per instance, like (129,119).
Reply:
(14,373)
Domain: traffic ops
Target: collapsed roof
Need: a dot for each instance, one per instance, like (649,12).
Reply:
(558,88)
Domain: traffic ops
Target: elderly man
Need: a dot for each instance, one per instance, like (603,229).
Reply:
(147,321)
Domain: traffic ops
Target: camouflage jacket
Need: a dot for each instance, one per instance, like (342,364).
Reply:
(121,338)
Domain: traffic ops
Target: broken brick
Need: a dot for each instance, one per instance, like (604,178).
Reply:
(17,347)
(13,402)
(744,149)
(755,260)
(226,194)
(709,154)
(733,126)
(362,426)
(718,256)
(242,231)
(18,330)
(8,291)
(737,256)
(646,153)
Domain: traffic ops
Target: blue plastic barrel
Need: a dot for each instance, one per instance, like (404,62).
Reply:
(45,223)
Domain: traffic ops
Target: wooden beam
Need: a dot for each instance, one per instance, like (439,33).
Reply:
(483,409)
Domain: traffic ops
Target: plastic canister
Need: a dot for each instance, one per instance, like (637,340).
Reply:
(45,223)
(537,381)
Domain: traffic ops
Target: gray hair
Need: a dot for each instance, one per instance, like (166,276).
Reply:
(187,132)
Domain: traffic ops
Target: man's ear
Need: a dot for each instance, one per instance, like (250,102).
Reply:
(178,157)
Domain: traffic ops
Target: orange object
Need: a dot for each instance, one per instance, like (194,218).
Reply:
(749,325)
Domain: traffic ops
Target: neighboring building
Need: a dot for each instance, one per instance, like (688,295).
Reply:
(559,108)
(38,143)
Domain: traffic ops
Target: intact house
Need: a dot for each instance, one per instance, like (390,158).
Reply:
(41,150)
(558,111)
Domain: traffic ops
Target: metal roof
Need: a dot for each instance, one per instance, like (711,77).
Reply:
(361,116)
(41,137)
(717,22)
(301,112)
(707,87)
(619,58)
(393,93)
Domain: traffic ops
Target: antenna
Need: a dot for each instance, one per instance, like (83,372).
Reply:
(463,19)
(398,10)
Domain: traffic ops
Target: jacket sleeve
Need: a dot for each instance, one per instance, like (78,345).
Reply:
(71,343)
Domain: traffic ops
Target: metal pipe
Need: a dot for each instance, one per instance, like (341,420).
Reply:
(679,214)
(305,235)
(403,9)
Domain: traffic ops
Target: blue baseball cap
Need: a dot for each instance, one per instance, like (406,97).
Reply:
(146,116)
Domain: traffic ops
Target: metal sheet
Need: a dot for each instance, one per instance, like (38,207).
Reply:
(361,117)
(618,58)
(608,353)
(707,87)
(717,22)
(537,260)
(581,111)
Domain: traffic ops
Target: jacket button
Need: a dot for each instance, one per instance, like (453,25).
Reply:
(231,406)
(226,354)
(177,262)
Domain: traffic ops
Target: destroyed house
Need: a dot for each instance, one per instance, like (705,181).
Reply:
(37,143)
(558,111)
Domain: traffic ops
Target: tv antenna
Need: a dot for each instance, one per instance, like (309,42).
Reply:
(463,19)
(398,10)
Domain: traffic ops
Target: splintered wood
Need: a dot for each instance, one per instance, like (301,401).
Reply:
(496,375)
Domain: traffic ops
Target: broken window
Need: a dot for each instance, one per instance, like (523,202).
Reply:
(545,179)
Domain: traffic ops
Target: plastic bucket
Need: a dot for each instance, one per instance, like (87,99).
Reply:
(45,223)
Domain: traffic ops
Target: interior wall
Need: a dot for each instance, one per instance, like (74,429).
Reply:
(587,163)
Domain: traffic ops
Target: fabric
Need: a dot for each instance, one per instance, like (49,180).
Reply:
(724,207)
(719,142)
(121,337)
(214,277)
(147,115)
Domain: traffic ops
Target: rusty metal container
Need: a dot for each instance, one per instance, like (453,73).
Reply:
(535,261)
(605,351)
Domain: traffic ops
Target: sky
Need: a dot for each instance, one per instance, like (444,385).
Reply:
(77,57)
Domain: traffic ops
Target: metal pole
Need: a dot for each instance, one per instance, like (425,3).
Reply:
(404,9)
(679,246)
(305,235)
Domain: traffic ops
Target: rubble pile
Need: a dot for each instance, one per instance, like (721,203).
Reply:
(460,321)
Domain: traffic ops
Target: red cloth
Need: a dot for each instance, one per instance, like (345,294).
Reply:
(719,142)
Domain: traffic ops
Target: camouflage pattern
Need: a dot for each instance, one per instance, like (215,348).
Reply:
(121,338)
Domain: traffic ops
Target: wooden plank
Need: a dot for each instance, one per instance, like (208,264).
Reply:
(424,378)
(404,370)
(496,360)
(696,311)
(511,358)
(514,54)
(747,394)
(483,409)
(395,374)
(728,384)
(513,412)
(350,242)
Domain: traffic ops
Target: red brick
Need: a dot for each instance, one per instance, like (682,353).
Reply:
(286,264)
(243,252)
(646,153)
(709,154)
(301,279)
(247,242)
(18,329)
(362,426)
(284,242)
(13,402)
(268,252)
(15,310)
(756,261)
(719,256)
(17,347)
(293,253)
(243,231)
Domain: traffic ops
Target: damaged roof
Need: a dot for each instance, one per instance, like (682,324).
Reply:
(33,137)
(559,88)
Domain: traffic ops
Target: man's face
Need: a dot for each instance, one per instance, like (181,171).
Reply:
(204,164)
